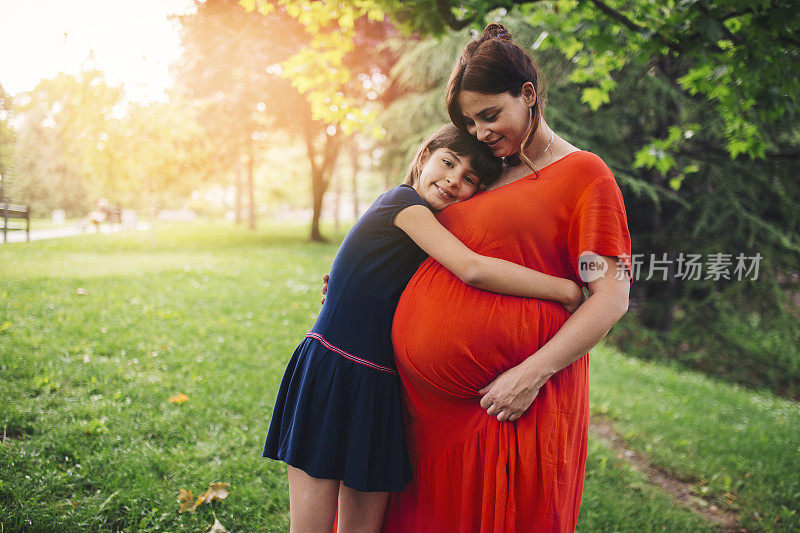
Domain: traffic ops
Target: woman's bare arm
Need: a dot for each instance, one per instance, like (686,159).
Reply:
(513,391)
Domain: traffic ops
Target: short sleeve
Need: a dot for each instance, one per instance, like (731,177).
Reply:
(599,223)
(394,201)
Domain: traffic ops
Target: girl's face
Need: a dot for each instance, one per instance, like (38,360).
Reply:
(499,120)
(446,178)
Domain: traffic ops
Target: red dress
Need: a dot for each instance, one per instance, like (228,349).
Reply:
(471,472)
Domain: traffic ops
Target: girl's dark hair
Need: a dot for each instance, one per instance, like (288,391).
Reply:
(482,160)
(493,64)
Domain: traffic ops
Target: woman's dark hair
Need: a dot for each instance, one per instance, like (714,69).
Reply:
(482,160)
(492,64)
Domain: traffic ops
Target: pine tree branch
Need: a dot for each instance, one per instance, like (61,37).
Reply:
(443,8)
(712,149)
(735,39)
(784,156)
(631,25)
(790,40)
(735,13)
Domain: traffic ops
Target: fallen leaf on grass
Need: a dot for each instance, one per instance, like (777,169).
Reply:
(180,398)
(216,491)
(216,527)
(186,499)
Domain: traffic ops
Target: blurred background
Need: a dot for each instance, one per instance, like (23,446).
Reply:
(206,158)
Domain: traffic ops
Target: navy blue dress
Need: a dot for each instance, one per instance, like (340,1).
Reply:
(338,414)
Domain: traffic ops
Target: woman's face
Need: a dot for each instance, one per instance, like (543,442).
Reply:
(499,120)
(446,178)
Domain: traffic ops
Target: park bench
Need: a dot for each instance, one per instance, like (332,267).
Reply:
(8,211)
(114,215)
(102,215)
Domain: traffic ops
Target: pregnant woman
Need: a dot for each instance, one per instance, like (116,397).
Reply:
(496,387)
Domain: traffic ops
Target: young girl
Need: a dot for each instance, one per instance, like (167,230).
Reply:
(337,421)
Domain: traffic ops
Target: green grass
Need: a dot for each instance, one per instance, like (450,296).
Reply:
(214,312)
(741,448)
(616,498)
(211,313)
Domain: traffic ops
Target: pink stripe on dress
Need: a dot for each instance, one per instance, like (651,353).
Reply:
(350,356)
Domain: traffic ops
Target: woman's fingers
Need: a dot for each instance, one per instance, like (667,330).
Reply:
(502,412)
(486,402)
(505,399)
(324,288)
(505,408)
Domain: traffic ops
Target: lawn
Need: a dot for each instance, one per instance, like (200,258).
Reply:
(99,332)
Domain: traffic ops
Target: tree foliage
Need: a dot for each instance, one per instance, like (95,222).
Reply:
(223,70)
(339,54)
(741,55)
(6,140)
(76,139)
(164,153)
(63,125)
(296,67)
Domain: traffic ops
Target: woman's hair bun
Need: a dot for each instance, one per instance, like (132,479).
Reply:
(495,30)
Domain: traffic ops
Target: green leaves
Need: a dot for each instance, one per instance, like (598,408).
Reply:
(743,56)
(322,69)
(595,97)
(658,154)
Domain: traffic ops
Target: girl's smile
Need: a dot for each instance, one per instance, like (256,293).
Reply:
(446,178)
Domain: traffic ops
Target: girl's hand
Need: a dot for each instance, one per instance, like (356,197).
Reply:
(509,395)
(574,297)
(324,287)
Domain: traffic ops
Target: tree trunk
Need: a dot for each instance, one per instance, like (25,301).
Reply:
(320,173)
(251,186)
(239,194)
(388,178)
(153,208)
(337,180)
(354,162)
(318,187)
(659,295)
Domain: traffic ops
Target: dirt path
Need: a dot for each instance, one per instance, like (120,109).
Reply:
(64,231)
(680,490)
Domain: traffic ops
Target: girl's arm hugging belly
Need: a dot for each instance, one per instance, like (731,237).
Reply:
(459,338)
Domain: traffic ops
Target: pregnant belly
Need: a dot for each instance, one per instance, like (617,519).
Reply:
(456,339)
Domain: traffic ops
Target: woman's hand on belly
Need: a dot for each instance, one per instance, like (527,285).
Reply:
(513,391)
(509,395)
